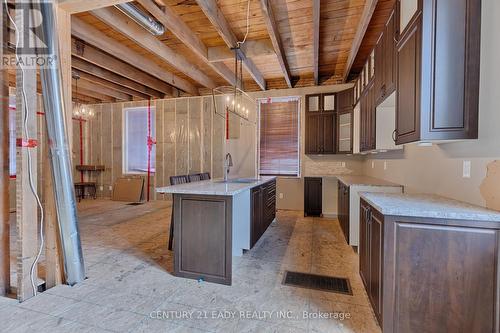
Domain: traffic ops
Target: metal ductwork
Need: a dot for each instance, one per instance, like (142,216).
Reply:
(55,111)
(141,18)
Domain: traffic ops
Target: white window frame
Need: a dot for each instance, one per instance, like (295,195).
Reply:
(299,130)
(125,170)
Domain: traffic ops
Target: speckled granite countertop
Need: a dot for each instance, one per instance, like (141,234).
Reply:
(214,187)
(364,181)
(428,205)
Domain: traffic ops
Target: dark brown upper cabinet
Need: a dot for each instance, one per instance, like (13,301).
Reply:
(324,114)
(385,55)
(368,118)
(437,72)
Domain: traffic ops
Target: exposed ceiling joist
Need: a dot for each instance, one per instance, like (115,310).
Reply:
(76,97)
(272,28)
(95,37)
(213,13)
(102,59)
(181,30)
(77,6)
(251,48)
(93,94)
(366,17)
(102,73)
(316,20)
(143,38)
(105,83)
(91,86)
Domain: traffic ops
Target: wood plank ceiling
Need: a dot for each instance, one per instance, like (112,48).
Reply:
(280,49)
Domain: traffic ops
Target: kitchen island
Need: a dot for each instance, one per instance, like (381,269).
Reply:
(215,220)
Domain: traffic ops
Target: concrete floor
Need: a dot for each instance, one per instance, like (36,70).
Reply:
(130,287)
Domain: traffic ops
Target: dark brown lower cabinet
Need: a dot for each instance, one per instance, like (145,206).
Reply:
(343,209)
(430,275)
(263,209)
(370,256)
(313,196)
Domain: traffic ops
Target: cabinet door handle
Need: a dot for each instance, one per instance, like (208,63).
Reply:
(394,135)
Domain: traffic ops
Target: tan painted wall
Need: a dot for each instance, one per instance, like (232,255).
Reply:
(292,189)
(438,169)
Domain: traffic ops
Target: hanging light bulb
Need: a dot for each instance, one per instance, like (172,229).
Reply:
(227,99)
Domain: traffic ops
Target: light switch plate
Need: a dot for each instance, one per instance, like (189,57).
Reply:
(373,164)
(343,164)
(101,188)
(281,195)
(385,165)
(111,188)
(466,169)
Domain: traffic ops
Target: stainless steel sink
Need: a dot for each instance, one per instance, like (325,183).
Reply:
(238,181)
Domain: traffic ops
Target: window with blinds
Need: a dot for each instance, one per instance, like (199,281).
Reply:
(279,137)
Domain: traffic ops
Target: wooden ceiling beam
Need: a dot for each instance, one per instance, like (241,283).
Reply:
(100,40)
(316,21)
(91,86)
(102,59)
(272,29)
(93,94)
(251,48)
(213,13)
(107,84)
(77,6)
(144,39)
(181,30)
(103,74)
(366,17)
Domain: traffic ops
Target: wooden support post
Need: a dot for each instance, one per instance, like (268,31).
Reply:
(26,207)
(4,174)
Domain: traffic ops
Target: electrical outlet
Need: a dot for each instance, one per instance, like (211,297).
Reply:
(466,169)
(343,164)
(385,165)
(281,195)
(373,164)
(101,188)
(111,188)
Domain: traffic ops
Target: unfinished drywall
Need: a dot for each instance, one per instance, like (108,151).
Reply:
(190,138)
(290,191)
(439,169)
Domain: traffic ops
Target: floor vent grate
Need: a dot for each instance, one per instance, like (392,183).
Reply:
(318,282)
(135,204)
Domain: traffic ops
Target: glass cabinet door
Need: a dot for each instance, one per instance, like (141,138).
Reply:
(329,102)
(313,104)
(344,144)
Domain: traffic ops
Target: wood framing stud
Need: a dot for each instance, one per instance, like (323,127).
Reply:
(366,17)
(272,28)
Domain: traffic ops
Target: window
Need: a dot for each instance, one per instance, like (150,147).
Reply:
(279,137)
(12,136)
(136,136)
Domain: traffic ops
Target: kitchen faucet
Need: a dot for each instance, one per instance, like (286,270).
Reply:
(228,163)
